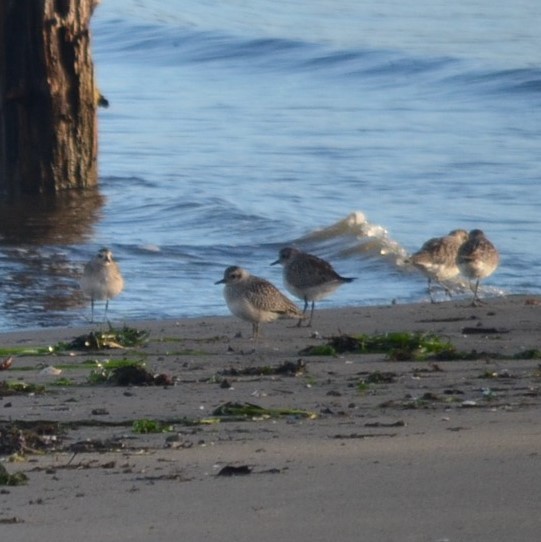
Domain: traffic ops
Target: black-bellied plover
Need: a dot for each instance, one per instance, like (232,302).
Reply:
(477,259)
(308,277)
(102,279)
(436,259)
(255,299)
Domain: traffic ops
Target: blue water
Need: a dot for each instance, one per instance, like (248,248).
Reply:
(235,128)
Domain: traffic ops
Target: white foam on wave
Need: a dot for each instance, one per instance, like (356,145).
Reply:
(354,236)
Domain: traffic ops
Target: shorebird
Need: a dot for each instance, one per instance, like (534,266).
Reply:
(477,259)
(102,279)
(308,277)
(255,299)
(436,259)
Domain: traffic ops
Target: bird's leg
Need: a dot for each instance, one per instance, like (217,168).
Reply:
(311,314)
(476,300)
(105,313)
(448,292)
(432,300)
(255,334)
(303,311)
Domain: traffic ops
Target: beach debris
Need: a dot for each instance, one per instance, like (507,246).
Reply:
(177,441)
(231,411)
(343,436)
(320,350)
(398,345)
(26,351)
(95,445)
(127,373)
(375,377)
(397,423)
(425,401)
(15,479)
(287,368)
(379,377)
(483,331)
(49,370)
(131,375)
(406,346)
(63,382)
(488,394)
(29,437)
(453,391)
(426,370)
(11,520)
(124,337)
(99,412)
(6,363)
(170,477)
(532,353)
(151,426)
(233,470)
(504,374)
(19,387)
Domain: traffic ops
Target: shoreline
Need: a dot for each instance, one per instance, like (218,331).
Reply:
(395,450)
(337,312)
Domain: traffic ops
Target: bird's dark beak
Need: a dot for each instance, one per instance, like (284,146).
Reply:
(220,281)
(274,263)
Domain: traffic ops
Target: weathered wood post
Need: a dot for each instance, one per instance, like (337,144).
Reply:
(48,98)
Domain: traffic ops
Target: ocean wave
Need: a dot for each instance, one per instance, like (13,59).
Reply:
(355,236)
(171,45)
(495,81)
(178,44)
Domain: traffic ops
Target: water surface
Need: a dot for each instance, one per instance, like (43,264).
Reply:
(236,129)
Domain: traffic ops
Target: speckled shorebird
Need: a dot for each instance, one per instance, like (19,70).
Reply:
(102,279)
(255,299)
(308,277)
(477,259)
(436,259)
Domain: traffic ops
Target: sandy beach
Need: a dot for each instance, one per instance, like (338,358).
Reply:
(343,445)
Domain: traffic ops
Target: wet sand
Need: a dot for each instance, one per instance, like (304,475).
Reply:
(430,450)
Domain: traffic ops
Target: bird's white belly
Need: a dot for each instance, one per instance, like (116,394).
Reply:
(247,311)
(313,293)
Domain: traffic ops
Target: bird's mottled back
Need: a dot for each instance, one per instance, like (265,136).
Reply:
(477,259)
(255,299)
(436,259)
(307,276)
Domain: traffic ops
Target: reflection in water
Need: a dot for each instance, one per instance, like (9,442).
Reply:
(38,280)
(45,220)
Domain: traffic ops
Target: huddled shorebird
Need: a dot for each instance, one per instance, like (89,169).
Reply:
(308,277)
(477,259)
(255,299)
(102,279)
(436,259)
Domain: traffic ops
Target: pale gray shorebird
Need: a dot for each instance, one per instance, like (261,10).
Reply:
(308,277)
(101,279)
(436,259)
(255,299)
(477,259)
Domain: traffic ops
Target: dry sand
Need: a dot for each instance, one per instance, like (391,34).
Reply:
(438,451)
